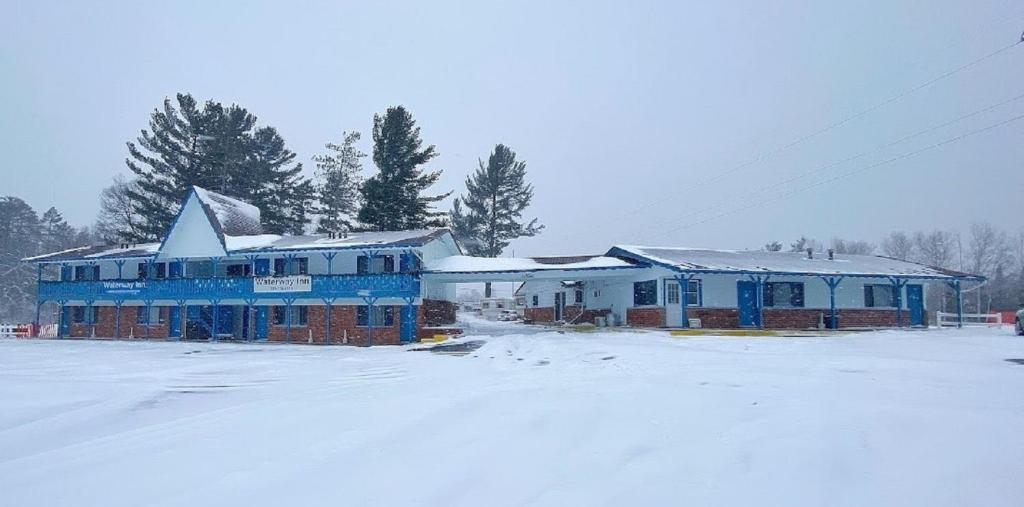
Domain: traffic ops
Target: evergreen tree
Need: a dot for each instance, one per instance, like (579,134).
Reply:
(19,238)
(216,147)
(338,172)
(391,198)
(497,194)
(273,183)
(773,246)
(54,232)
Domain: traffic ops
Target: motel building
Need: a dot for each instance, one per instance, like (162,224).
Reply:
(216,276)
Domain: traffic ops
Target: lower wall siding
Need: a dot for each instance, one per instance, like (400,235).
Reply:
(728,318)
(432,313)
(646,317)
(572,313)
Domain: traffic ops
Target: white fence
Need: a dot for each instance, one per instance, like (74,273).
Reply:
(970,319)
(15,330)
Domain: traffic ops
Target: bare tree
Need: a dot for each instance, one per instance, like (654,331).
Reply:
(936,248)
(898,245)
(842,246)
(989,249)
(119,219)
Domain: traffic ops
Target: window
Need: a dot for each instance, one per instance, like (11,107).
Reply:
(155,315)
(382,316)
(672,296)
(578,297)
(300,315)
(645,293)
(879,296)
(784,295)
(159,270)
(199,269)
(87,272)
(379,264)
(693,293)
(536,300)
(239,270)
(300,266)
(78,314)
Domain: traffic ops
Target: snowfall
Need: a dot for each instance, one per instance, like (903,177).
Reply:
(532,417)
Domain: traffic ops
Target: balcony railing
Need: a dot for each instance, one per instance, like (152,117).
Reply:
(390,285)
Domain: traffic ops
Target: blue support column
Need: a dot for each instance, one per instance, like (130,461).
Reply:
(149,315)
(117,318)
(88,319)
(289,259)
(328,302)
(957,289)
(329,256)
(252,264)
(215,304)
(409,321)
(897,289)
(288,314)
(39,272)
(214,264)
(250,325)
(62,319)
(120,268)
(833,314)
(184,313)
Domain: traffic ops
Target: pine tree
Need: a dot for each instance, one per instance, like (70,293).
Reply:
(338,172)
(218,148)
(391,198)
(497,194)
(54,232)
(19,238)
(274,185)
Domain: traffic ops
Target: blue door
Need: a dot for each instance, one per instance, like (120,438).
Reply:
(915,304)
(746,294)
(261,322)
(174,315)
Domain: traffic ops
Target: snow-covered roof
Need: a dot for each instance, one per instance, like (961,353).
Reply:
(230,216)
(468,264)
(260,243)
(756,261)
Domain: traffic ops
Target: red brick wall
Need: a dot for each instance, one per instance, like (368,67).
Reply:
(539,314)
(715,318)
(343,328)
(873,317)
(589,314)
(438,312)
(646,317)
(106,325)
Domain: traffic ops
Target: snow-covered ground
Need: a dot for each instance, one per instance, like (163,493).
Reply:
(531,418)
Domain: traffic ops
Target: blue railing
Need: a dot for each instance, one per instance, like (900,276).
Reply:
(391,285)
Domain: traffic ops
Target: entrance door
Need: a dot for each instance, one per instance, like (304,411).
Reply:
(174,318)
(915,304)
(746,294)
(65,322)
(559,305)
(673,309)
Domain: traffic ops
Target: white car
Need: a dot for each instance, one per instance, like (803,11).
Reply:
(1020,322)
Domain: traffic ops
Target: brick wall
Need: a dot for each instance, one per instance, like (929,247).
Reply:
(438,312)
(539,314)
(106,325)
(645,317)
(572,314)
(343,328)
(715,318)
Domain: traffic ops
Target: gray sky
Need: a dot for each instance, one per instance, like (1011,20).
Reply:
(620,109)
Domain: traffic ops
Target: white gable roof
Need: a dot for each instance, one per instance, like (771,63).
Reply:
(192,234)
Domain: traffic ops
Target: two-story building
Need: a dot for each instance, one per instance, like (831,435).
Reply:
(215,275)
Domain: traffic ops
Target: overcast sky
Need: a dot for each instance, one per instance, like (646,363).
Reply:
(634,118)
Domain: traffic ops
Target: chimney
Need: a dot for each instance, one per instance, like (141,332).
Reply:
(831,254)
(810,253)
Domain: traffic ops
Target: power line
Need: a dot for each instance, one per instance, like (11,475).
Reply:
(850,173)
(829,127)
(851,158)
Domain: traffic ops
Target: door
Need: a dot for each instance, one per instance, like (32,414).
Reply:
(673,308)
(559,305)
(261,322)
(915,304)
(746,294)
(408,323)
(174,324)
(65,322)
(262,267)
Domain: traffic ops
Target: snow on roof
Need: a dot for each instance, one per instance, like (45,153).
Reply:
(780,262)
(97,252)
(469,264)
(232,216)
(252,243)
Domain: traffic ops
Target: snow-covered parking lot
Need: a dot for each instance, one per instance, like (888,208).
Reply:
(613,418)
